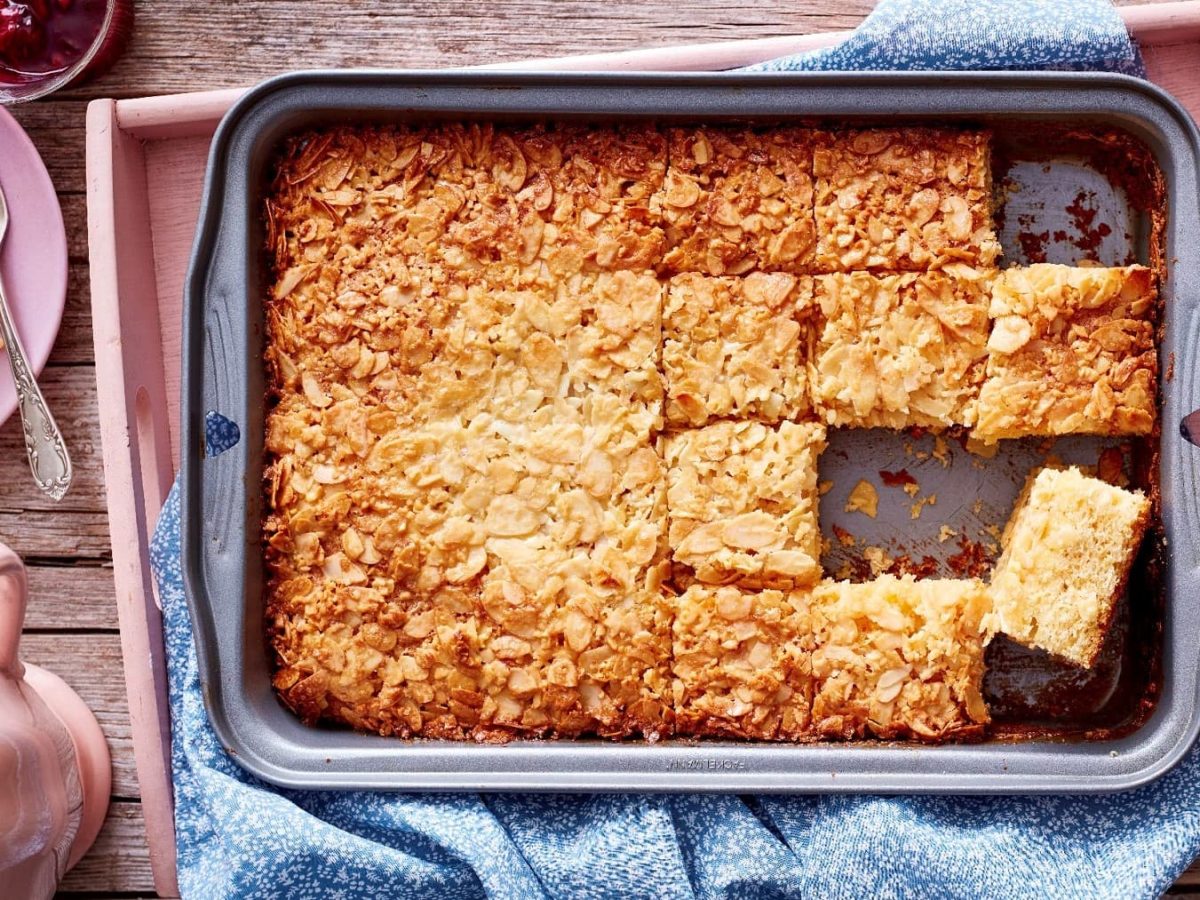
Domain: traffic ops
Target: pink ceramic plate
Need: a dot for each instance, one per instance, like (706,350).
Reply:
(33,259)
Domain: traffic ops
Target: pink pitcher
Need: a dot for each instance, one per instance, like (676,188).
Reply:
(55,770)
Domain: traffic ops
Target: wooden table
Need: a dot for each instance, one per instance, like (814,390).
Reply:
(72,623)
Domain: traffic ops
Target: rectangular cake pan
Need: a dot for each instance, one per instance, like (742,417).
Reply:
(223,373)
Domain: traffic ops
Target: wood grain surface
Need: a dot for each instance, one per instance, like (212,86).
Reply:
(71,625)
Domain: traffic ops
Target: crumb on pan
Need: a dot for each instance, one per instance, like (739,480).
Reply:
(863,498)
(917,508)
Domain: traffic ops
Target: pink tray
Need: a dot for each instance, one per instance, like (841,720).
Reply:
(145,168)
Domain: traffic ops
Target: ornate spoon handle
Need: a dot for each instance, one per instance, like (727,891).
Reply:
(48,456)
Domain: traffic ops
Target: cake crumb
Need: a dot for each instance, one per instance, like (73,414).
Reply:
(864,499)
(879,560)
(824,487)
(945,533)
(941,451)
(922,502)
(912,489)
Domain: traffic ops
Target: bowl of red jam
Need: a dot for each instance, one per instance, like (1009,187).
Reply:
(49,44)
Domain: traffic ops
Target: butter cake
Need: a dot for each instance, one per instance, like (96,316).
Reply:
(1071,351)
(742,500)
(1067,551)
(897,657)
(741,663)
(901,349)
(903,199)
(737,200)
(545,405)
(736,347)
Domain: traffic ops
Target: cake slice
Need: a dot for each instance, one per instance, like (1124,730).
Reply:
(740,663)
(736,347)
(737,200)
(556,201)
(1067,552)
(1071,351)
(742,501)
(900,349)
(903,199)
(898,658)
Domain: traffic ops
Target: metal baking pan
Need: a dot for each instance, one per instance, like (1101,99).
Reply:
(223,334)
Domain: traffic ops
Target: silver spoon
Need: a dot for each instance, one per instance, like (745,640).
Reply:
(43,441)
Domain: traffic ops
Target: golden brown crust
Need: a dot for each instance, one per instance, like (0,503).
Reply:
(1071,351)
(903,199)
(901,349)
(737,200)
(466,509)
(736,347)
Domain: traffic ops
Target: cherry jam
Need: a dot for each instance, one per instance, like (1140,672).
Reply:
(41,38)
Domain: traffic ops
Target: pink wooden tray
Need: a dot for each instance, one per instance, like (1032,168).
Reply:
(145,168)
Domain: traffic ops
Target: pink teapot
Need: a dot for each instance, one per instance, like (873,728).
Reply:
(55,770)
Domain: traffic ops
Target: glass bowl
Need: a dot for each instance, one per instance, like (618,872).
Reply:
(107,45)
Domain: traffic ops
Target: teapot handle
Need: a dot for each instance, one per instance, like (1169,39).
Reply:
(14,593)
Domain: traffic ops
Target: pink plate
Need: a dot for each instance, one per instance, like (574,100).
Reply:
(33,258)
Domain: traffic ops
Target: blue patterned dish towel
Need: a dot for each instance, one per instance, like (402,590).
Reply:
(238,837)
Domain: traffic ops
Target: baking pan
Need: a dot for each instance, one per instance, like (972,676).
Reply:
(223,373)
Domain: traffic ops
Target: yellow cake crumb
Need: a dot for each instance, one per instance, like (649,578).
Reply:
(863,498)
(917,508)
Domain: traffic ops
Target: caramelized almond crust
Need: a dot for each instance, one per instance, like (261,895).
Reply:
(1071,351)
(898,658)
(521,566)
(903,199)
(558,200)
(742,500)
(736,347)
(741,663)
(737,200)
(466,507)
(898,350)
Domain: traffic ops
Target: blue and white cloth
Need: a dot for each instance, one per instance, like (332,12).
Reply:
(905,35)
(238,837)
